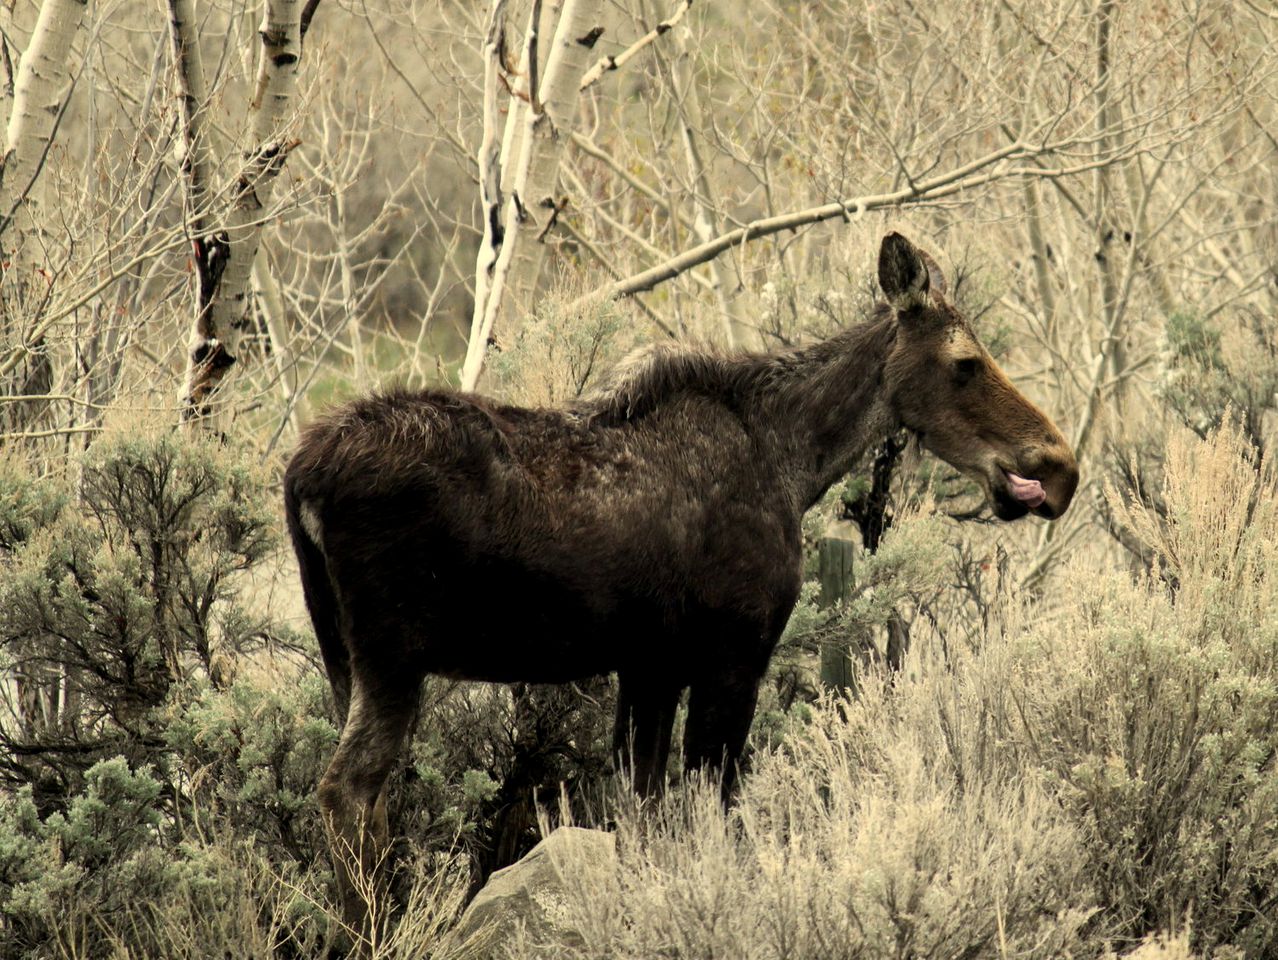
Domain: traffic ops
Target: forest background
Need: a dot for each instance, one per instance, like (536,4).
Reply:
(217,219)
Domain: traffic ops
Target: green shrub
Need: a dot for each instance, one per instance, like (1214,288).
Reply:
(251,757)
(98,853)
(109,877)
(161,799)
(122,621)
(115,593)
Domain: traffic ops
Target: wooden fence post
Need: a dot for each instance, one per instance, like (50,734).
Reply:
(834,558)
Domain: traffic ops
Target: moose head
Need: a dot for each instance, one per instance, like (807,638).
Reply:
(944,386)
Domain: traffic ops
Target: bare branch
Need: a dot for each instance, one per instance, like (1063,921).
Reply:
(962,178)
(610,62)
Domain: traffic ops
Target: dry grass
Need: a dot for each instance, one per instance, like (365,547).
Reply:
(865,835)
(237,904)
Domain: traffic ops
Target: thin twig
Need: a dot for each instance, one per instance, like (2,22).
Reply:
(55,432)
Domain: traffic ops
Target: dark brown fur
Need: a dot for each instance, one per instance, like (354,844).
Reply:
(652,530)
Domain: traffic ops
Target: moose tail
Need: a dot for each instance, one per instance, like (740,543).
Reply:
(321,600)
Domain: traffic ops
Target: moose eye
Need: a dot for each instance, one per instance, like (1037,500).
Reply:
(965,369)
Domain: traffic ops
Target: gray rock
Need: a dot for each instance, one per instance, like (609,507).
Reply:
(528,898)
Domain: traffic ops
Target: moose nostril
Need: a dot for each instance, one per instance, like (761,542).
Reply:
(1051,465)
(1059,475)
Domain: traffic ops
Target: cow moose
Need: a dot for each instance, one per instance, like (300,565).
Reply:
(652,529)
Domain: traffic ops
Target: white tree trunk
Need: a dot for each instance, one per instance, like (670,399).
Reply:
(512,138)
(533,145)
(490,167)
(273,107)
(208,251)
(215,337)
(37,95)
(198,159)
(546,135)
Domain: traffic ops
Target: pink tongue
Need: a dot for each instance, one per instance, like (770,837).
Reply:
(1029,492)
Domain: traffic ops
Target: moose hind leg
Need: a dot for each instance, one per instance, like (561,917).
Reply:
(720,710)
(641,737)
(352,794)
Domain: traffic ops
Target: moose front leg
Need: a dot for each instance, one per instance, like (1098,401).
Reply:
(720,711)
(641,737)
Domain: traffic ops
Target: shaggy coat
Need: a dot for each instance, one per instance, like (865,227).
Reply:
(653,530)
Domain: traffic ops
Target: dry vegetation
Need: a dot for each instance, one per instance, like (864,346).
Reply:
(1079,755)
(1080,776)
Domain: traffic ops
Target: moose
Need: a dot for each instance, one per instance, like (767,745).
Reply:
(651,529)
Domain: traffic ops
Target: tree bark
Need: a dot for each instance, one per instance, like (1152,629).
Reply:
(533,145)
(224,258)
(33,118)
(38,97)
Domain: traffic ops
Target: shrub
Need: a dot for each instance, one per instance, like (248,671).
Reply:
(250,757)
(117,593)
(1151,704)
(112,876)
(122,619)
(65,877)
(161,775)
(870,832)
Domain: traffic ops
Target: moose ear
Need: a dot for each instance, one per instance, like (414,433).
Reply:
(903,273)
(935,276)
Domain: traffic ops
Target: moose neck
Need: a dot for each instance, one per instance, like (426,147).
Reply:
(828,404)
